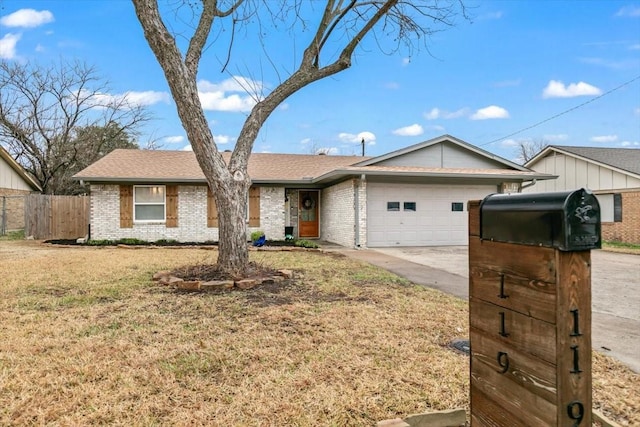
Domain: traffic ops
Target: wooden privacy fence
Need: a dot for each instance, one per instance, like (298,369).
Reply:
(49,217)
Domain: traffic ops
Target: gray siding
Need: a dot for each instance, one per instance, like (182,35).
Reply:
(443,155)
(577,173)
(9,178)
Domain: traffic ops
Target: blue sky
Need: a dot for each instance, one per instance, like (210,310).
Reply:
(566,72)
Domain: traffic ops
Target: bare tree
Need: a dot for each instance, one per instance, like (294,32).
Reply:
(46,114)
(527,149)
(341,27)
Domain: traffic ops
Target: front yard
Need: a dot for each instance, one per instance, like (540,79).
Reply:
(88,338)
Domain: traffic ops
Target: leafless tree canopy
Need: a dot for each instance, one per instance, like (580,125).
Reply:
(527,150)
(333,31)
(47,114)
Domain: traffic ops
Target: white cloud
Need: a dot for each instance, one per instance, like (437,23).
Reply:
(27,18)
(512,142)
(634,46)
(331,151)
(284,106)
(433,114)
(8,46)
(406,61)
(216,101)
(604,138)
(629,11)
(369,137)
(437,128)
(305,141)
(130,98)
(392,85)
(490,112)
(233,84)
(187,148)
(222,139)
(614,65)
(411,130)
(437,113)
(556,137)
(215,97)
(40,48)
(630,144)
(173,139)
(148,97)
(557,89)
(637,111)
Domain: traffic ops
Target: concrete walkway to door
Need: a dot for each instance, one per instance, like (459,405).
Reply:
(615,289)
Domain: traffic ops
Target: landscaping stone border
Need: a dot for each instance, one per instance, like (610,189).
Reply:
(164,277)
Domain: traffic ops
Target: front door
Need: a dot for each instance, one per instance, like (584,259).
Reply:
(308,214)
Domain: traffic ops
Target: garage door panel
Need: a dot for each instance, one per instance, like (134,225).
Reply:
(432,223)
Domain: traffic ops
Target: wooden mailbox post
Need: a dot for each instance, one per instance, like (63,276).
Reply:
(530,308)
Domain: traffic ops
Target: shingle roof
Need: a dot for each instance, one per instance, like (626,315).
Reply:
(627,159)
(181,166)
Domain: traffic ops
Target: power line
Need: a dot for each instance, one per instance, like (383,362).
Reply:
(563,113)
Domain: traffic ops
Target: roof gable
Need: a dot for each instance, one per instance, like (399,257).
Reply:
(625,160)
(15,166)
(445,151)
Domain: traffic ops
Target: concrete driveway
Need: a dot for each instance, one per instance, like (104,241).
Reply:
(615,290)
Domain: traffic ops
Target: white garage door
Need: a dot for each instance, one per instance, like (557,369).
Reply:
(420,214)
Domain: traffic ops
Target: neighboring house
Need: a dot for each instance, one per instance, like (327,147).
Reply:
(613,174)
(15,183)
(416,196)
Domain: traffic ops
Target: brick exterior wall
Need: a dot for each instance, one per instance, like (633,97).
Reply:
(192,216)
(271,213)
(628,230)
(337,217)
(12,209)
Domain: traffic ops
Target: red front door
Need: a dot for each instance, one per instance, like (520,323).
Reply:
(308,214)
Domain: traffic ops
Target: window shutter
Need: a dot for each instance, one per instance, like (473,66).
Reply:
(254,207)
(212,211)
(126,206)
(172,206)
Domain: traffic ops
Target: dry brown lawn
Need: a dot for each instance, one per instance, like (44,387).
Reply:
(87,338)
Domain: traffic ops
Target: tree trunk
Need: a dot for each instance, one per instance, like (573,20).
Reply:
(233,256)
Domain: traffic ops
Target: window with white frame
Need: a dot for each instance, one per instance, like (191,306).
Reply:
(149,203)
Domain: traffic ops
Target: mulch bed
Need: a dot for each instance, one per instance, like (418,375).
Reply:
(74,242)
(209,272)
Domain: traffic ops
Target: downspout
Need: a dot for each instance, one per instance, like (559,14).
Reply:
(531,184)
(356,206)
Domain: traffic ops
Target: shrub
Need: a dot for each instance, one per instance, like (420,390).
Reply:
(256,235)
(306,244)
(101,243)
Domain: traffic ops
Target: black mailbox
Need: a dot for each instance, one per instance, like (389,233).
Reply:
(567,220)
